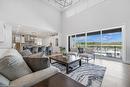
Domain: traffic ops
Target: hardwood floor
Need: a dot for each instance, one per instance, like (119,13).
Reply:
(117,74)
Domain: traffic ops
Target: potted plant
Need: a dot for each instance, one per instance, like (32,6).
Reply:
(62,50)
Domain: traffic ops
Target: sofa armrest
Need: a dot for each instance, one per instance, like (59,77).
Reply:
(33,78)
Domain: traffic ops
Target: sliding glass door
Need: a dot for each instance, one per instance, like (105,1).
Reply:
(80,40)
(112,43)
(72,41)
(105,43)
(94,42)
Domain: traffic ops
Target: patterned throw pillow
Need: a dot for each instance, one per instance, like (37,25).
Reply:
(13,67)
(38,63)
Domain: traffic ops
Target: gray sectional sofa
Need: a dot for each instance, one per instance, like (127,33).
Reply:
(14,72)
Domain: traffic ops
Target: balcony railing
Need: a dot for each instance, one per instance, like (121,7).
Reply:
(114,51)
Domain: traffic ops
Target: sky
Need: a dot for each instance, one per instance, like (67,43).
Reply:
(106,38)
(112,37)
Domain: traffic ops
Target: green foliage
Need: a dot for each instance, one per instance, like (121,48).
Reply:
(62,49)
(93,44)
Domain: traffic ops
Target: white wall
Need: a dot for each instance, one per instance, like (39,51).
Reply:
(109,13)
(33,13)
(7,43)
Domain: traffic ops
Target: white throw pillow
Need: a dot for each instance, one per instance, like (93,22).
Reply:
(72,53)
(13,67)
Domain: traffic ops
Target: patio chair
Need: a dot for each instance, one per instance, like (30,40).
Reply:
(73,51)
(87,55)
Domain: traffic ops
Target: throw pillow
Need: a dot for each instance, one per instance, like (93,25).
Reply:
(72,53)
(13,67)
(80,50)
(37,64)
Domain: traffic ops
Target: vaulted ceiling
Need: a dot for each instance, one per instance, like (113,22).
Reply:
(49,25)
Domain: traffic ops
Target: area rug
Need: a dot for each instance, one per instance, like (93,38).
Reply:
(90,75)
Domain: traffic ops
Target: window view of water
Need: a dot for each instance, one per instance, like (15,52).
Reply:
(106,43)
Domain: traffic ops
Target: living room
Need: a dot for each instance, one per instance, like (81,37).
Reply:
(64,43)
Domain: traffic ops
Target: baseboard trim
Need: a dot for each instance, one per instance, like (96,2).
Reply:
(127,62)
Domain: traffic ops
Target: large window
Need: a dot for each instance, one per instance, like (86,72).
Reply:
(106,43)
(72,42)
(80,40)
(112,43)
(94,41)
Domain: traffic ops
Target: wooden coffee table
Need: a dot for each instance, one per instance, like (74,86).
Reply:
(67,61)
(58,80)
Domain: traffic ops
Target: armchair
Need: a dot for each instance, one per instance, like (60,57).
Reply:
(87,55)
(73,51)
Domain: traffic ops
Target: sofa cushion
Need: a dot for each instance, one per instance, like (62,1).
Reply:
(3,81)
(35,50)
(38,63)
(72,53)
(13,67)
(33,78)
